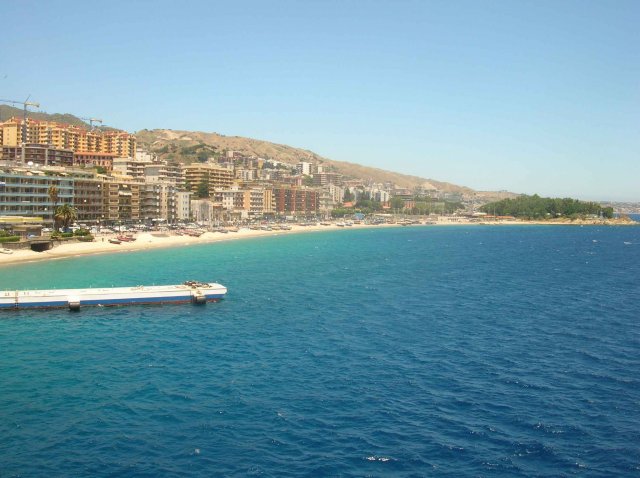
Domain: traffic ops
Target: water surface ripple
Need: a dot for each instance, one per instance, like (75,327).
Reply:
(461,351)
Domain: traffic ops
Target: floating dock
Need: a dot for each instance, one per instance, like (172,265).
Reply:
(191,291)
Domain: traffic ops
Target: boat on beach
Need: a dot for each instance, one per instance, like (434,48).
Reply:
(190,291)
(4,250)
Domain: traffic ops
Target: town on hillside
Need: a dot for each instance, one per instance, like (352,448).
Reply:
(109,179)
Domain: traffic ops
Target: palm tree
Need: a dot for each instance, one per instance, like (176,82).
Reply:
(53,197)
(66,214)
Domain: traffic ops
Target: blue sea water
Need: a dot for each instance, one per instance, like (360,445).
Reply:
(431,351)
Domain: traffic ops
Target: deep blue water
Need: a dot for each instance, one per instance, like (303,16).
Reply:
(443,351)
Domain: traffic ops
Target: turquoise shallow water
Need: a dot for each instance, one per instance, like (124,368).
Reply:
(461,351)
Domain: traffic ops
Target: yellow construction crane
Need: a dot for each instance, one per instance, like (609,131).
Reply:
(24,103)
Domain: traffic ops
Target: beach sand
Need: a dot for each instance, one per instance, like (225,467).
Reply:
(146,241)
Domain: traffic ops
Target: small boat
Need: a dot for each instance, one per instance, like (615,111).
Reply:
(4,250)
(115,241)
(340,224)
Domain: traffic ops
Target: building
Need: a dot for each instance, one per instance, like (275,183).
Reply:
(246,203)
(121,200)
(322,179)
(94,160)
(164,172)
(295,201)
(158,202)
(88,197)
(129,167)
(183,205)
(205,211)
(211,175)
(65,136)
(303,168)
(28,192)
(42,154)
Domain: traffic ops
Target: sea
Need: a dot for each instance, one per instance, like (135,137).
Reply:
(417,351)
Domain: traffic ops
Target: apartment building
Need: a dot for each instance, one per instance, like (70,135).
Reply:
(158,202)
(322,179)
(206,211)
(26,192)
(214,176)
(183,205)
(65,136)
(42,154)
(121,200)
(94,160)
(164,171)
(295,201)
(304,168)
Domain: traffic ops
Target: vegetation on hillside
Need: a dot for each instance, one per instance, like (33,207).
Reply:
(7,112)
(536,207)
(192,146)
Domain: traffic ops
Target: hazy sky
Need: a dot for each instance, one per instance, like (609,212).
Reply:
(528,96)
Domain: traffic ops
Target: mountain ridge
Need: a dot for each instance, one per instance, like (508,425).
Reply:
(188,146)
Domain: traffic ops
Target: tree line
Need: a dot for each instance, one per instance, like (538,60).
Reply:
(536,207)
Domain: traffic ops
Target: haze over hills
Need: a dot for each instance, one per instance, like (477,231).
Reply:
(189,146)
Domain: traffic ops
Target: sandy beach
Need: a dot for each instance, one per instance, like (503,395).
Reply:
(147,241)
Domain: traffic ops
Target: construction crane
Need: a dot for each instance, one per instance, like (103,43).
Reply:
(24,103)
(91,121)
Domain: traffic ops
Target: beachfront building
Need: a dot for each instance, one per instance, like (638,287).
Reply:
(183,205)
(158,202)
(66,136)
(214,176)
(26,192)
(206,211)
(296,201)
(246,203)
(121,200)
(87,196)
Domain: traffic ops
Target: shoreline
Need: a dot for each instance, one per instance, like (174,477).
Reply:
(147,241)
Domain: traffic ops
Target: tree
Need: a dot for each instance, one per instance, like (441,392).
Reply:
(203,190)
(397,203)
(348,195)
(66,214)
(53,197)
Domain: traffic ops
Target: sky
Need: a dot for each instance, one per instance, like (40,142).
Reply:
(527,96)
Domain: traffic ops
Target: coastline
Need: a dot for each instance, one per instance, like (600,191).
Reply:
(148,241)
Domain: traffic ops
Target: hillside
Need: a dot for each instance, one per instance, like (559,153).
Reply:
(7,112)
(188,146)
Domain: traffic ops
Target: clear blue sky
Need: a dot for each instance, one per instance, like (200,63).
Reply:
(528,96)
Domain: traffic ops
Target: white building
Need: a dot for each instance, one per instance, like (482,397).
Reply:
(303,168)
(183,205)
